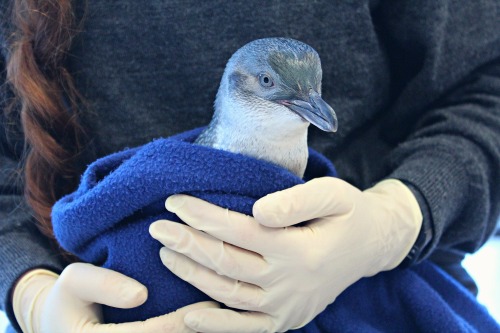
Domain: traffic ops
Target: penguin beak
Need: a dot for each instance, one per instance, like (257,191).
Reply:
(316,111)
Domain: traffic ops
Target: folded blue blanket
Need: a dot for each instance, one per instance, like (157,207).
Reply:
(106,220)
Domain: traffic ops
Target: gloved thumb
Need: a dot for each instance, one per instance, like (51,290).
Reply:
(94,284)
(317,198)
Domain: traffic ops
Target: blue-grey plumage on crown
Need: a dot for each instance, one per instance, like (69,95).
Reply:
(269,94)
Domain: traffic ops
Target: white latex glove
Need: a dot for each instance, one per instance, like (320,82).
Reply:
(285,275)
(44,302)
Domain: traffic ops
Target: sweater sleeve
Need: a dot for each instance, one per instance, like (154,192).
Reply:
(22,247)
(453,159)
(447,118)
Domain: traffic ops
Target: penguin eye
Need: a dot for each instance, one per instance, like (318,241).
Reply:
(265,80)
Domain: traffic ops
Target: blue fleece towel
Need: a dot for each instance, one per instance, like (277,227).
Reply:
(106,222)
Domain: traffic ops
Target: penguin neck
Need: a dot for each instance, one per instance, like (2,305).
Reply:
(263,130)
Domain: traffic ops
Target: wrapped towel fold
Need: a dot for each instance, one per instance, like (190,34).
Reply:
(106,220)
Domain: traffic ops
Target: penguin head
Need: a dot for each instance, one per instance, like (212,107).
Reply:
(277,78)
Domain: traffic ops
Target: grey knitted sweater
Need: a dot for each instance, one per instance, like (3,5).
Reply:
(416,87)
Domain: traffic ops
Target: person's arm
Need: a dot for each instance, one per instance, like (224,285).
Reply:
(22,247)
(447,117)
(452,161)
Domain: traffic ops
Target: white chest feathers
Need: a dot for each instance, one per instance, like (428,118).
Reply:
(263,130)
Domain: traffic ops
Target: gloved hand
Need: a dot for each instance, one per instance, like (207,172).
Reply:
(44,302)
(283,274)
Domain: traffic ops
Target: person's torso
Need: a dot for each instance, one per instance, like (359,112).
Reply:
(151,69)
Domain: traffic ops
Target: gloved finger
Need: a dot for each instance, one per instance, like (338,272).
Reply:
(231,227)
(227,321)
(317,198)
(94,284)
(171,322)
(233,293)
(221,257)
